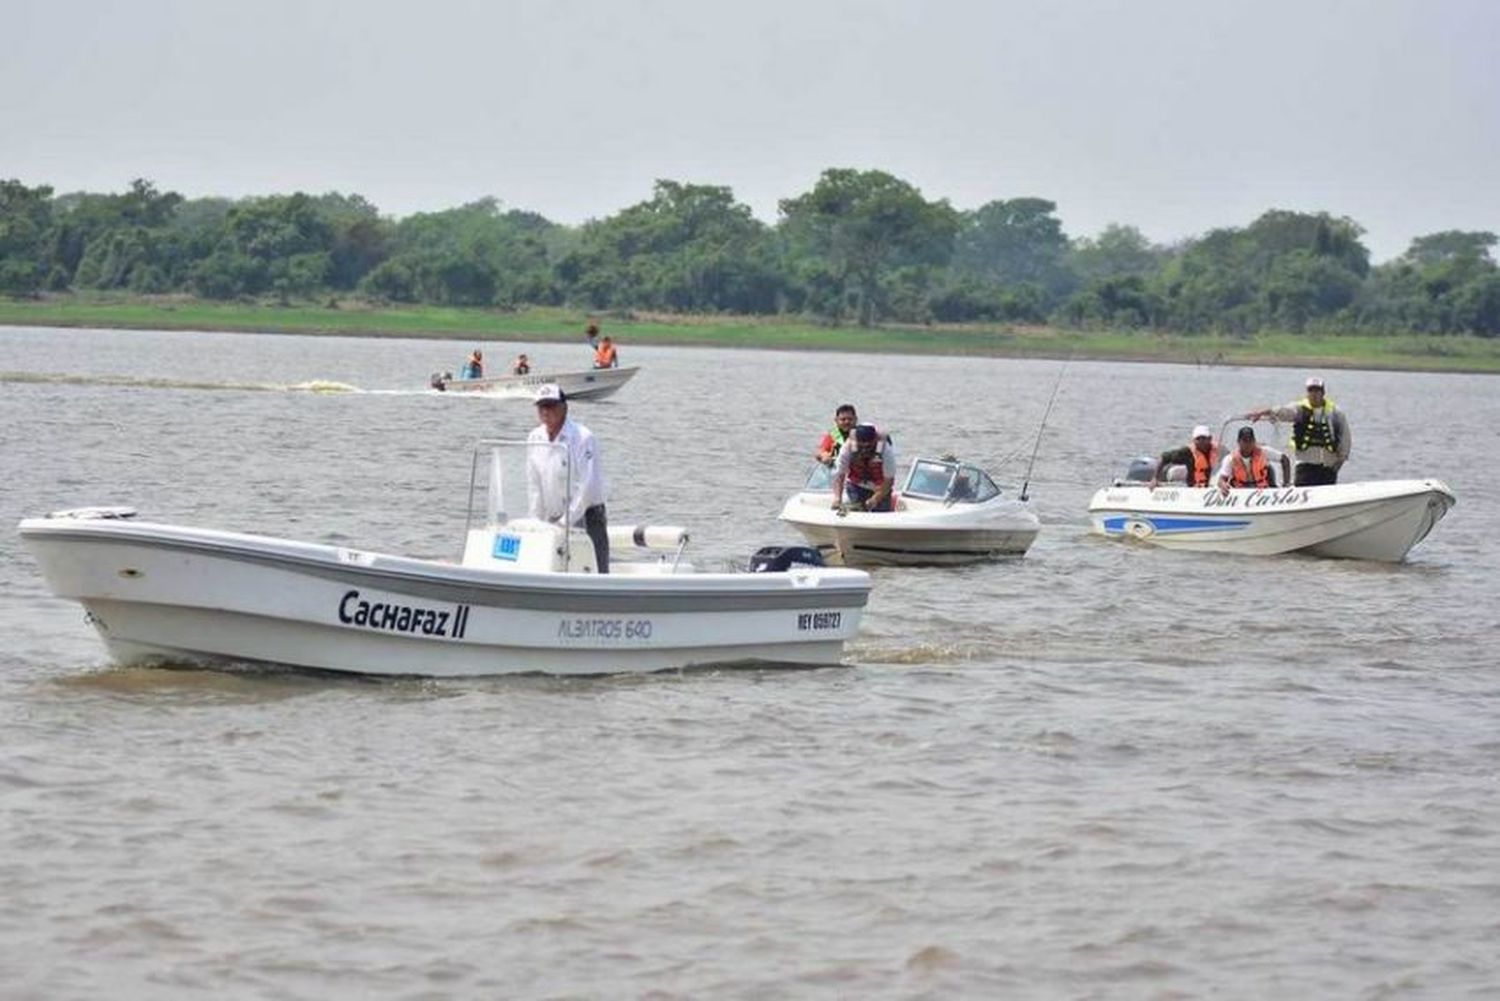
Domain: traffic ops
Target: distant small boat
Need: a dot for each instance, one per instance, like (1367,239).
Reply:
(949,512)
(1373,520)
(588,384)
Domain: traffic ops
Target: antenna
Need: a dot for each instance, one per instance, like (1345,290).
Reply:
(1025,486)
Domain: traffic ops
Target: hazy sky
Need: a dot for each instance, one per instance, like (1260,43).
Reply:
(1176,117)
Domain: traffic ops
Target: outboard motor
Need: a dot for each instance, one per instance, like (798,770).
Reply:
(440,380)
(1142,470)
(779,559)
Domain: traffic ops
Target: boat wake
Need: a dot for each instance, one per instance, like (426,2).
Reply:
(153,382)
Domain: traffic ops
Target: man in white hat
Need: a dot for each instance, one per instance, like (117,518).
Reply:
(1200,457)
(566,486)
(1320,435)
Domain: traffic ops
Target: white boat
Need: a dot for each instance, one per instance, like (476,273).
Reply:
(1376,520)
(586,384)
(524,597)
(948,512)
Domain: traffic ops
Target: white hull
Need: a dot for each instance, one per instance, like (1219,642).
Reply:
(168,593)
(588,384)
(1380,520)
(921,533)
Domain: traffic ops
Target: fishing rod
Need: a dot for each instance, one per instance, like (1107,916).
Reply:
(1026,485)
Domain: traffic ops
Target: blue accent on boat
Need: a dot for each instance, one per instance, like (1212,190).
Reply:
(506,547)
(1175,525)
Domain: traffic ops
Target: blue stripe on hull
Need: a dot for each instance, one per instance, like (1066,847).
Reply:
(1170,525)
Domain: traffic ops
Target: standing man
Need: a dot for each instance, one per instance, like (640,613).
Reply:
(844,419)
(1249,465)
(1200,456)
(566,486)
(1320,435)
(866,471)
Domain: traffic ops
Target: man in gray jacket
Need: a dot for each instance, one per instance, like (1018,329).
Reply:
(1320,435)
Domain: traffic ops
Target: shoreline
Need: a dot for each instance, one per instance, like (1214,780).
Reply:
(1403,352)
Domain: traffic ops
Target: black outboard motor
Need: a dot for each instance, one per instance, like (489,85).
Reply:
(779,559)
(440,380)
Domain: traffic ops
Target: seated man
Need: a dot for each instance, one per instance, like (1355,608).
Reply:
(606,356)
(1249,465)
(865,477)
(1200,458)
(522,366)
(474,367)
(844,419)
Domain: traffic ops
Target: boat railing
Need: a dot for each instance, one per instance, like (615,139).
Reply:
(510,473)
(510,485)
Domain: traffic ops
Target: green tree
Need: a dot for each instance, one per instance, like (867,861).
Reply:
(1453,244)
(446,251)
(1014,242)
(101,241)
(855,227)
(25,222)
(1117,252)
(690,247)
(359,240)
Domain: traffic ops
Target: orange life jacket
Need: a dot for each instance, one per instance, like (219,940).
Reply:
(604,357)
(1202,473)
(1254,473)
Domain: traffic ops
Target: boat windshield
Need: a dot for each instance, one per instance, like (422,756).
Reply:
(520,479)
(951,482)
(820,477)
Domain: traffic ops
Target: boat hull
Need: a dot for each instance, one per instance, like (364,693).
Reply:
(939,537)
(160,593)
(1379,520)
(588,384)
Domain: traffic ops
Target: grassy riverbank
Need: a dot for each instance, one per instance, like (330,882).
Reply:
(1402,351)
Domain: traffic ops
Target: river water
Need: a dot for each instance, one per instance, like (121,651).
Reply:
(1100,771)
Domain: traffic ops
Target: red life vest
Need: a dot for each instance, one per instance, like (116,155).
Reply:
(866,469)
(1202,473)
(1254,473)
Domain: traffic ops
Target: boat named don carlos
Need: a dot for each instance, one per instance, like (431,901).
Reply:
(1373,520)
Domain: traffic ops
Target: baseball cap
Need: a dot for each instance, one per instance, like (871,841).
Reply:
(550,393)
(1314,382)
(865,432)
(1202,431)
(1247,433)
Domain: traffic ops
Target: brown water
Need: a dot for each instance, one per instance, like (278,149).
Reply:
(1101,771)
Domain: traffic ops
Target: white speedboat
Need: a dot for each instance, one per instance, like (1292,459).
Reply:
(586,384)
(947,512)
(1377,520)
(523,598)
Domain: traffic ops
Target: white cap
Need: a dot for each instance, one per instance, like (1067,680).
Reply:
(549,392)
(1202,431)
(1314,382)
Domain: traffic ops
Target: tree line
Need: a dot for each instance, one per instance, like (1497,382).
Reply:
(859,247)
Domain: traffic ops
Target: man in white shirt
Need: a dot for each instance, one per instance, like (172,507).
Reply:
(566,485)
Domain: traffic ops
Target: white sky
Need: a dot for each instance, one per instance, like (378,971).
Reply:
(1175,116)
